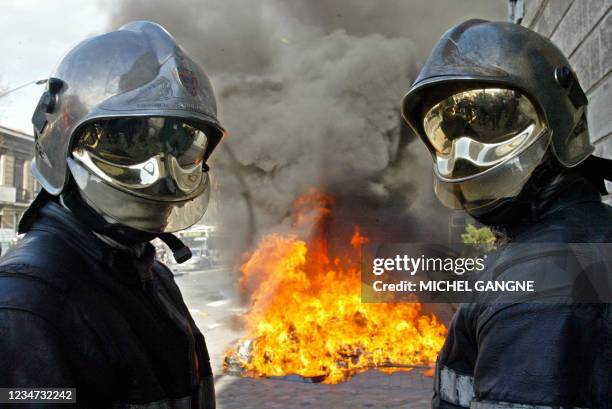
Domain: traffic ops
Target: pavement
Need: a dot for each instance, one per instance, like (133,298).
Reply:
(214,304)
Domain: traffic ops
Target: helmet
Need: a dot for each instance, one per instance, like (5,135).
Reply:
(490,103)
(133,119)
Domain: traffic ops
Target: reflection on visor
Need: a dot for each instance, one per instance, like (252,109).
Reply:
(152,158)
(128,141)
(474,130)
(142,175)
(139,211)
(503,182)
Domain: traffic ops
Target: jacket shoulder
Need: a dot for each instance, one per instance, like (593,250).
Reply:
(583,222)
(44,255)
(37,275)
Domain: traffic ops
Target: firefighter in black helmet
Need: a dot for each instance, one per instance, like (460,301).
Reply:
(504,118)
(123,132)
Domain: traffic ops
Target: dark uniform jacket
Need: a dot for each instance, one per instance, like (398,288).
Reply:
(541,354)
(75,312)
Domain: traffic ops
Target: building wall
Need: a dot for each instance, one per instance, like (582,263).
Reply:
(582,29)
(17,185)
(7,171)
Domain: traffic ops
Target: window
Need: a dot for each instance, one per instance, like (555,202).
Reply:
(18,175)
(2,164)
(28,180)
(18,180)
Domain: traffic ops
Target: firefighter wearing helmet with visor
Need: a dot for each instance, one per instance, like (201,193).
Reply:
(504,119)
(123,134)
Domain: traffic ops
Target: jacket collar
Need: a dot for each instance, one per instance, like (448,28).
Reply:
(553,201)
(54,218)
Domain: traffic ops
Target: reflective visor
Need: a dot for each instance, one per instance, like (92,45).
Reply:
(129,141)
(156,158)
(474,130)
(505,181)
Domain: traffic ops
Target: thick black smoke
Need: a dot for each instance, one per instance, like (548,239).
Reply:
(309,91)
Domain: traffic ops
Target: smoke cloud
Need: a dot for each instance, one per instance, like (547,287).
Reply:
(423,22)
(309,91)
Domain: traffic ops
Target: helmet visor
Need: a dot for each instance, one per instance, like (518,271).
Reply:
(136,211)
(474,130)
(501,182)
(128,141)
(152,157)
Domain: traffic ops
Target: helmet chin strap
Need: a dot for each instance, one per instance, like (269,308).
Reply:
(118,232)
(180,251)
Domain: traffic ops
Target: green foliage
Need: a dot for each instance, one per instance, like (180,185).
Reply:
(481,237)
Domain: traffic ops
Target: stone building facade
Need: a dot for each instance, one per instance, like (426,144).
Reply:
(17,185)
(582,29)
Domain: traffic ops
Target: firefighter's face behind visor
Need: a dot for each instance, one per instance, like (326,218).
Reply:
(145,173)
(486,144)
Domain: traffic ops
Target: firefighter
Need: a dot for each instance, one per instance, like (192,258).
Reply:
(504,118)
(123,133)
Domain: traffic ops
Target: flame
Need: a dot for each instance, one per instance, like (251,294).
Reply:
(306,316)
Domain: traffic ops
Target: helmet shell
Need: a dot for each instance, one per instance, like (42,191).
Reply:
(138,70)
(480,53)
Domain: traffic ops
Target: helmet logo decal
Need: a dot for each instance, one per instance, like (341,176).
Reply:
(188,80)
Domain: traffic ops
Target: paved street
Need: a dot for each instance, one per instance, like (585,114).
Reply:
(213,302)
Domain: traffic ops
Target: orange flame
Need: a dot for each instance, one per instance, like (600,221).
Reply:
(306,316)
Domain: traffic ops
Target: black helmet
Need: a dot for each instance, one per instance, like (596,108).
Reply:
(490,103)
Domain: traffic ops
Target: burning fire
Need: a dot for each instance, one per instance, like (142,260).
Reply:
(306,315)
